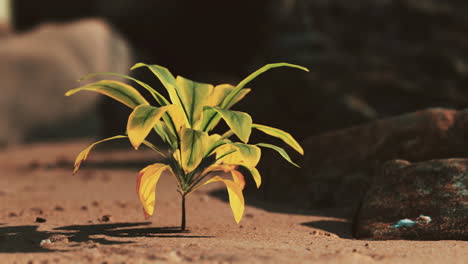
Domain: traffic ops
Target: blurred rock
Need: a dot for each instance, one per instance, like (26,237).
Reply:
(436,188)
(339,166)
(390,56)
(38,67)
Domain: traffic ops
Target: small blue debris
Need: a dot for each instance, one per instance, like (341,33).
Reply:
(404,223)
(422,220)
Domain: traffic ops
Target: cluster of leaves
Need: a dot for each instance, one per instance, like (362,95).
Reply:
(196,157)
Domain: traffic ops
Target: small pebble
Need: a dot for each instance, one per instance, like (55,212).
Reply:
(45,242)
(12,214)
(105,218)
(58,208)
(95,203)
(84,208)
(40,220)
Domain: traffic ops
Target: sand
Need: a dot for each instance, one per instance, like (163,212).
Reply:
(95,217)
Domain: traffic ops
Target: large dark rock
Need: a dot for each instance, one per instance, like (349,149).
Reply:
(339,166)
(436,188)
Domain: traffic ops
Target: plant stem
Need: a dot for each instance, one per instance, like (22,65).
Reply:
(182,225)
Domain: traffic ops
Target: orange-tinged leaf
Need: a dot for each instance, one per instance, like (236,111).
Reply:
(237,176)
(142,120)
(121,92)
(146,186)
(236,198)
(83,155)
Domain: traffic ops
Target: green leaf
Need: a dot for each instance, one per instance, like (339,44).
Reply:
(245,154)
(142,120)
(194,96)
(121,92)
(278,133)
(157,96)
(165,133)
(281,151)
(168,81)
(211,117)
(239,122)
(193,147)
(252,76)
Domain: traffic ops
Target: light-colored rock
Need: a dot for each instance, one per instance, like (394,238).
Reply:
(38,67)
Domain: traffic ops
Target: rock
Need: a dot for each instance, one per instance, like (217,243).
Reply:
(339,166)
(40,220)
(38,67)
(436,188)
(105,218)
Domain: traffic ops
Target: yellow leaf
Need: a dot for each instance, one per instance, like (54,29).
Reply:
(142,120)
(83,155)
(193,96)
(121,92)
(245,154)
(278,133)
(146,186)
(255,175)
(237,176)
(236,198)
(193,148)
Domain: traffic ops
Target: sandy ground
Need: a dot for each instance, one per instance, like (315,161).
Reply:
(95,217)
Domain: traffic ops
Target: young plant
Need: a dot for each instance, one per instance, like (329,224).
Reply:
(195,157)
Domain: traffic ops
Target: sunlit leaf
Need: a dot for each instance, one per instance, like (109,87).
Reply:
(210,117)
(281,151)
(252,76)
(278,133)
(239,122)
(169,82)
(255,175)
(193,147)
(142,120)
(236,198)
(85,153)
(157,96)
(121,92)
(146,186)
(248,155)
(194,96)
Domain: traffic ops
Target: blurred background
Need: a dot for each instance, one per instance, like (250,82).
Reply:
(369,59)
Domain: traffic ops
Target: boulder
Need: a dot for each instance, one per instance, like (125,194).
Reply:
(435,188)
(339,166)
(38,67)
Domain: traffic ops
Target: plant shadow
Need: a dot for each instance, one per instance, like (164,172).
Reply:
(27,239)
(342,226)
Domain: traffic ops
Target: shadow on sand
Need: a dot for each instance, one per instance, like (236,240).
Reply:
(27,239)
(342,227)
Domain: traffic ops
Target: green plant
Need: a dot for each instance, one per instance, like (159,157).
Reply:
(184,123)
